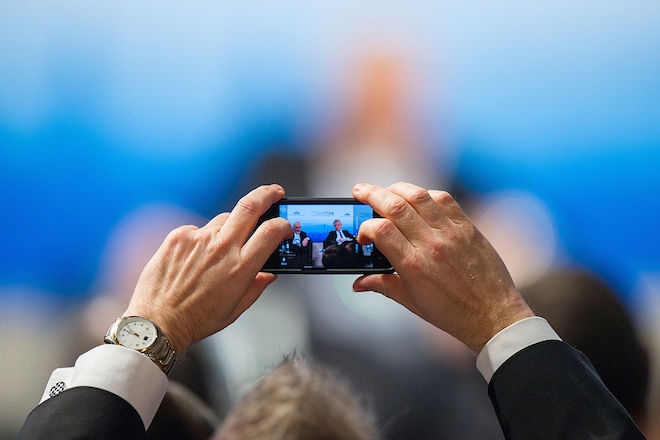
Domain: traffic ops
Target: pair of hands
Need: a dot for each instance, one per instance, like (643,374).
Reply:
(202,279)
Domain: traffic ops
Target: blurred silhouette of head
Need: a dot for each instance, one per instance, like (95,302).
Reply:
(298,400)
(182,414)
(340,256)
(588,314)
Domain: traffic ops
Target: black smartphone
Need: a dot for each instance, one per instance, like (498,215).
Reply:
(324,238)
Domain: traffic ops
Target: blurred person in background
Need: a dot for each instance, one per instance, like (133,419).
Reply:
(299,399)
(377,136)
(381,137)
(590,316)
(32,330)
(378,132)
(183,415)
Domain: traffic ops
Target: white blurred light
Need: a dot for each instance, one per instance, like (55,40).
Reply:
(521,228)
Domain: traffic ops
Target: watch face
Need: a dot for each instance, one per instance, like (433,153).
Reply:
(136,333)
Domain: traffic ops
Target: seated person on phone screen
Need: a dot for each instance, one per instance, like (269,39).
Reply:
(338,236)
(301,245)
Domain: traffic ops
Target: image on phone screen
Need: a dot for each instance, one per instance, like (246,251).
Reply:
(324,238)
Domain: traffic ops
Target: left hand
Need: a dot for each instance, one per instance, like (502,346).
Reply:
(447,272)
(202,279)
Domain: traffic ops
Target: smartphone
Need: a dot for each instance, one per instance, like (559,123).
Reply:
(325,238)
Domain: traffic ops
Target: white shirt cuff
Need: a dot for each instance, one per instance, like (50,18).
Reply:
(510,341)
(119,370)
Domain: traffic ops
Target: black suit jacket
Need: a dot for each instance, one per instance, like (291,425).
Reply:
(546,391)
(332,237)
(84,413)
(551,391)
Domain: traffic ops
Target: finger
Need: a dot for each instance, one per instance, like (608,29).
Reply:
(449,206)
(217,222)
(387,237)
(264,241)
(393,207)
(373,283)
(389,285)
(261,281)
(246,213)
(421,201)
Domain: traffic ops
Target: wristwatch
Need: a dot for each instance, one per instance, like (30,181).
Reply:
(140,334)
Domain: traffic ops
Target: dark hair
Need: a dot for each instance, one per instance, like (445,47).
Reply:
(338,256)
(588,314)
(182,415)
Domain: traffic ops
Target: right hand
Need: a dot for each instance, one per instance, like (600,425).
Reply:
(202,279)
(446,271)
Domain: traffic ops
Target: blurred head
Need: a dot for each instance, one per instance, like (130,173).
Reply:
(588,314)
(182,414)
(340,256)
(337,224)
(298,400)
(296,227)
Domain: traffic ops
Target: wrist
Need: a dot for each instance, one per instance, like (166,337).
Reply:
(141,334)
(497,320)
(511,340)
(166,321)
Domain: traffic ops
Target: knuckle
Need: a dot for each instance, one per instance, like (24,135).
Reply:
(472,234)
(217,245)
(419,195)
(270,230)
(248,205)
(437,249)
(396,206)
(180,234)
(385,228)
(444,198)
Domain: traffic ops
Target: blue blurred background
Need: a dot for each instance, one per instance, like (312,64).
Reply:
(107,109)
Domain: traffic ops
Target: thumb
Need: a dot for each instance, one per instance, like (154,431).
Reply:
(389,285)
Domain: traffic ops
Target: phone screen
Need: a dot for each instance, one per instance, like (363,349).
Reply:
(324,238)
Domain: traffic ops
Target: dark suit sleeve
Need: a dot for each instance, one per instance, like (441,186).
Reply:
(330,239)
(84,413)
(551,391)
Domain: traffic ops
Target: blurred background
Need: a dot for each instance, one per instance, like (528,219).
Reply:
(119,122)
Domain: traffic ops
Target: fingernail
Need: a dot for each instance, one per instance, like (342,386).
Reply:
(360,186)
